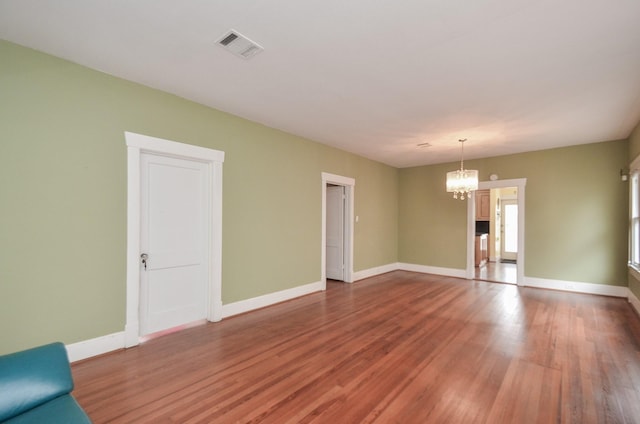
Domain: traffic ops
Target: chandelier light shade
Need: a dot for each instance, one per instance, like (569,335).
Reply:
(462,181)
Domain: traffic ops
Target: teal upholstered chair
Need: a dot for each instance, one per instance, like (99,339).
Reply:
(35,387)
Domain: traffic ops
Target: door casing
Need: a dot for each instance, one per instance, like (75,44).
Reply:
(349,192)
(520,183)
(335,232)
(137,144)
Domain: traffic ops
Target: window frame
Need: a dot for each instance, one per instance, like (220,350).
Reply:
(633,260)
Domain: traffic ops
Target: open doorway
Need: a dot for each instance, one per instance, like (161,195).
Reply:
(335,243)
(497,232)
(337,228)
(495,240)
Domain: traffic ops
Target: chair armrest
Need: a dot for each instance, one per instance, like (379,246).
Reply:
(32,377)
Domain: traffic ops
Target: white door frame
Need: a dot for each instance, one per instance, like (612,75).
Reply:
(137,144)
(520,183)
(349,189)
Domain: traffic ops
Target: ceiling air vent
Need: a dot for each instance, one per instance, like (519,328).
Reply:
(239,45)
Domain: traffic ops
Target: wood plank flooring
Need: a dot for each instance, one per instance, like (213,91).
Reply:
(397,348)
(498,272)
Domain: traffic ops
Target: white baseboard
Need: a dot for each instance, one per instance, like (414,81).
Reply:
(247,305)
(100,345)
(425,269)
(635,302)
(93,347)
(578,287)
(371,272)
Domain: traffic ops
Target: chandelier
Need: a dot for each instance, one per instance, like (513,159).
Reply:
(462,181)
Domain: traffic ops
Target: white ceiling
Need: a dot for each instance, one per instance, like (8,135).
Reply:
(373,77)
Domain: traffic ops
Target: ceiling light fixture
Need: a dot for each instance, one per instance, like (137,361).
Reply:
(463,181)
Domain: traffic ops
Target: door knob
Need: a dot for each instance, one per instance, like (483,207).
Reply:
(144,258)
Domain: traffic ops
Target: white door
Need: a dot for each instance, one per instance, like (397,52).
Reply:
(335,232)
(174,230)
(509,228)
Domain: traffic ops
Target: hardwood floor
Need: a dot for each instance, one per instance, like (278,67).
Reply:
(397,348)
(498,272)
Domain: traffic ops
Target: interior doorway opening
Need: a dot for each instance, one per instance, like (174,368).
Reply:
(335,241)
(138,146)
(337,228)
(497,227)
(495,238)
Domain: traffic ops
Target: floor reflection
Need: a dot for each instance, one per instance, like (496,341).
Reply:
(498,272)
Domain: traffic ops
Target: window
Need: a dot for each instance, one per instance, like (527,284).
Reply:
(634,215)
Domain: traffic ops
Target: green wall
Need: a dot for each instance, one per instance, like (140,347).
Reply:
(63,201)
(634,152)
(575,213)
(63,196)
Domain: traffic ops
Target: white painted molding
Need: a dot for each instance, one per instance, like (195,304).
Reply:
(634,272)
(247,305)
(635,302)
(577,287)
(371,272)
(101,345)
(349,187)
(470,271)
(337,179)
(93,347)
(174,148)
(131,332)
(426,269)
(521,184)
(136,145)
(635,163)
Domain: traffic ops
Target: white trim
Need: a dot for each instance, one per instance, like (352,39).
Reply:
(100,345)
(93,347)
(172,148)
(635,302)
(635,272)
(423,269)
(132,323)
(577,287)
(349,191)
(426,269)
(137,144)
(269,299)
(470,271)
(520,183)
(372,272)
(632,244)
(215,261)
(635,163)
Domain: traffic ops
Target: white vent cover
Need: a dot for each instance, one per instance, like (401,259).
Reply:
(239,45)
